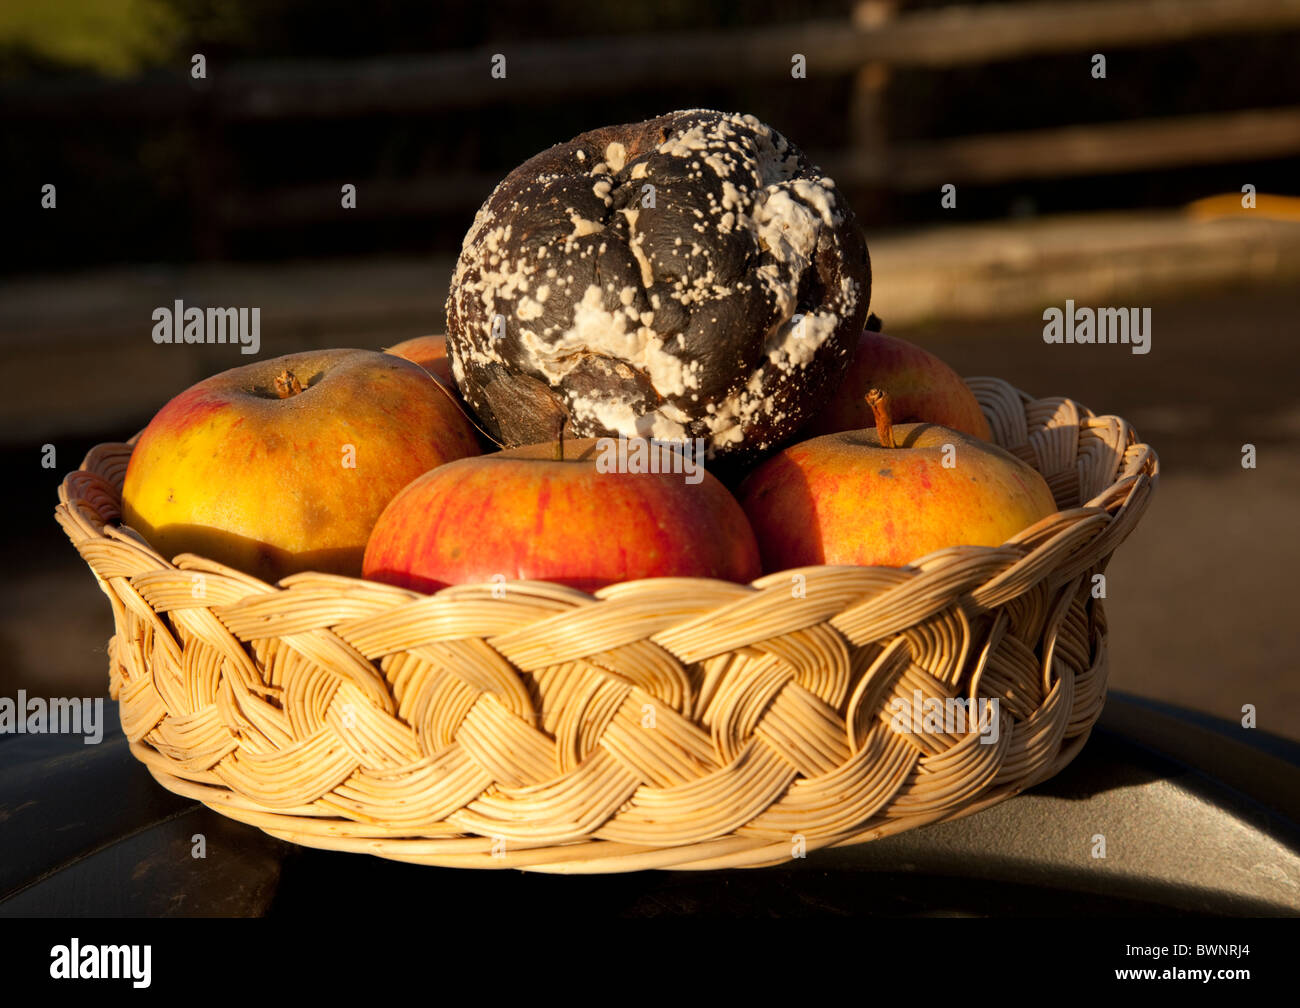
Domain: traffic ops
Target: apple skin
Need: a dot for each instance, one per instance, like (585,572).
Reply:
(922,388)
(522,514)
(232,472)
(843,499)
(430,352)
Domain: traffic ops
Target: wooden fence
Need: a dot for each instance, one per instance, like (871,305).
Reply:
(880,36)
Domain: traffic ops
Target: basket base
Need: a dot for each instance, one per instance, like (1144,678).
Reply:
(594,857)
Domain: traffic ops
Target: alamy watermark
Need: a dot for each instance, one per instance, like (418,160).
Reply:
(57,716)
(946,715)
(647,455)
(1131,326)
(179,324)
(75,961)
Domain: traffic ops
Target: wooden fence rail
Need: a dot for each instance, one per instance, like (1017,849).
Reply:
(541,71)
(1077,150)
(1142,145)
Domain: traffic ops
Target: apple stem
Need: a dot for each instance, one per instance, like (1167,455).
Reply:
(878,400)
(287,384)
(559,440)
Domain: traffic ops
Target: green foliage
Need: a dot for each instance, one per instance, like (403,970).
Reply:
(121,37)
(113,37)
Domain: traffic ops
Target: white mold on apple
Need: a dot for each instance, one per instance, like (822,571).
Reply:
(725,307)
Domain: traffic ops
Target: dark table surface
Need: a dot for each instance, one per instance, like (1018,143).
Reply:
(1198,817)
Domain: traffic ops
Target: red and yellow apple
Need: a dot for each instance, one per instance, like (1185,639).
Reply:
(888,495)
(430,353)
(921,387)
(284,465)
(525,513)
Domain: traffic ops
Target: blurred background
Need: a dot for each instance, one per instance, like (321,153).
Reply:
(1122,189)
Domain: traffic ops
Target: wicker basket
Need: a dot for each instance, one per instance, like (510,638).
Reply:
(666,723)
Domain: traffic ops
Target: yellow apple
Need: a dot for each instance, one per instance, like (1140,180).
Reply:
(430,352)
(284,465)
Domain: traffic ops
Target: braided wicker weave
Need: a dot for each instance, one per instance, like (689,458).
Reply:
(666,723)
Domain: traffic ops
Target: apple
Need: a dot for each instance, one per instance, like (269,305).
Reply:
(555,512)
(285,464)
(921,387)
(884,496)
(430,352)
